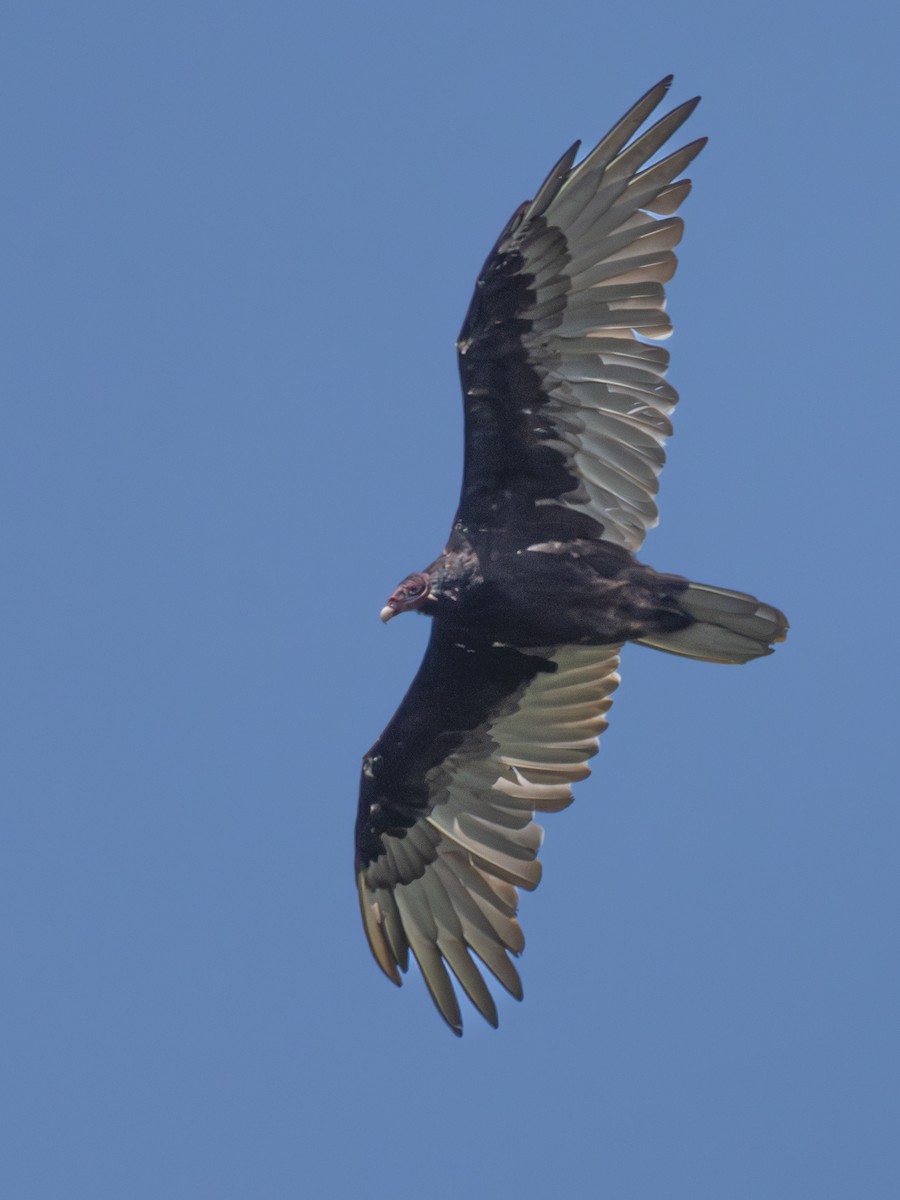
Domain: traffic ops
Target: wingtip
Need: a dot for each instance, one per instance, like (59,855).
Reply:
(659,90)
(375,935)
(651,98)
(552,184)
(690,152)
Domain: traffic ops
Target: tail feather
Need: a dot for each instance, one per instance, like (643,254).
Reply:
(727,627)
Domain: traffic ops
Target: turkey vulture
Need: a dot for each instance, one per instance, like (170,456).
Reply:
(566,414)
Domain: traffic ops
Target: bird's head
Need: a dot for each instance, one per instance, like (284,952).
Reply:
(410,594)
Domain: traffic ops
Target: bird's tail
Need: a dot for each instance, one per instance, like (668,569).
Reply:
(726,627)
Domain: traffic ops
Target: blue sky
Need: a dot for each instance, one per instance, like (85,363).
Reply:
(239,241)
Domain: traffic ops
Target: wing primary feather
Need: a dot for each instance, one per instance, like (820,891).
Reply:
(670,199)
(479,933)
(451,943)
(393,927)
(646,184)
(648,143)
(377,941)
(551,184)
(623,130)
(469,977)
(421,932)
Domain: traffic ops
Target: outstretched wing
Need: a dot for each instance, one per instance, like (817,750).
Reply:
(566,407)
(486,736)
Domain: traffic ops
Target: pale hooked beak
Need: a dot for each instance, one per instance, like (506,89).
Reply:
(387,612)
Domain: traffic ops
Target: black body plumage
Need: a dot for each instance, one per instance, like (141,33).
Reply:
(566,413)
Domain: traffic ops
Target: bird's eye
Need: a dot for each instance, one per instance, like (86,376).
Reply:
(412,588)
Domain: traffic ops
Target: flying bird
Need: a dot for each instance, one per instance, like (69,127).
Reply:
(566,414)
